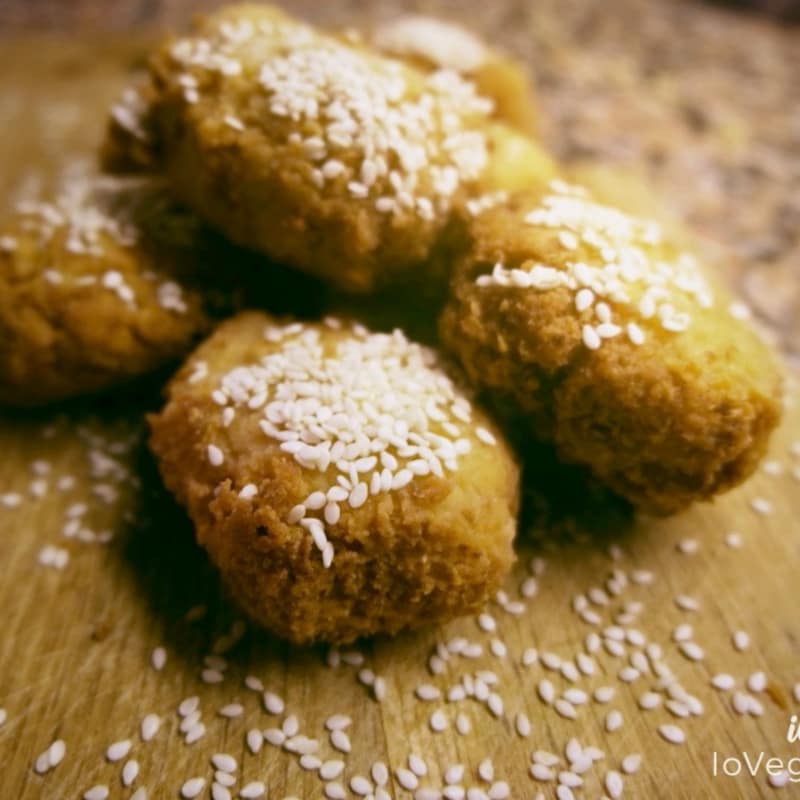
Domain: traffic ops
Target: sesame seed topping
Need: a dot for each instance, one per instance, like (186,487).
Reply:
(366,399)
(621,269)
(413,145)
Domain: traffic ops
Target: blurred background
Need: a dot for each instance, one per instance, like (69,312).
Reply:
(686,106)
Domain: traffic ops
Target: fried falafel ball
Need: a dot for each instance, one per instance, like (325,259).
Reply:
(430,44)
(612,344)
(338,478)
(92,289)
(324,155)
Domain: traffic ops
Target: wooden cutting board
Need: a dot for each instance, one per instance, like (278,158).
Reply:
(77,642)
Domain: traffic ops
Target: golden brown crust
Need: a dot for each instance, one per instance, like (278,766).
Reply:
(76,315)
(422,554)
(678,418)
(252,174)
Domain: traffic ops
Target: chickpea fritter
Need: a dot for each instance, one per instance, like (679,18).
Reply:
(339,480)
(612,344)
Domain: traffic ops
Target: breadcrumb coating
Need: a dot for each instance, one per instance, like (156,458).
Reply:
(311,556)
(609,342)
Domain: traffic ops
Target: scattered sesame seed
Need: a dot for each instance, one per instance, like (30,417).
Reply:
(118,750)
(130,772)
(741,640)
(613,721)
(761,506)
(252,790)
(192,788)
(672,734)
(98,792)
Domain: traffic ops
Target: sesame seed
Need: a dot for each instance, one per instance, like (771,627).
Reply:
(220,792)
(692,651)
(273,704)
(360,785)
(98,792)
(252,790)
(56,752)
(255,740)
(672,734)
(723,682)
(118,750)
(330,770)
(757,682)
(149,727)
(340,741)
(761,506)
(224,762)
(541,772)
(686,603)
(522,724)
(338,722)
(614,784)
(733,540)
(192,788)
(130,772)
(248,492)
(613,721)
(335,791)
(741,640)
(546,691)
(438,721)
(407,779)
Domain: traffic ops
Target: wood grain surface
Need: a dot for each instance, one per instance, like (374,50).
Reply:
(77,641)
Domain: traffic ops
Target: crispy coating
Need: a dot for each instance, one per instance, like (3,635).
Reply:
(421,554)
(431,43)
(131,145)
(92,290)
(681,416)
(320,154)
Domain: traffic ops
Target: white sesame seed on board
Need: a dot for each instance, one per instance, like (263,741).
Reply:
(252,790)
(330,770)
(631,763)
(499,790)
(158,658)
(118,750)
(740,640)
(224,762)
(255,740)
(192,788)
(723,681)
(546,691)
(417,765)
(406,778)
(335,791)
(733,540)
(541,772)
(613,721)
(360,785)
(98,792)
(761,506)
(672,734)
(338,722)
(437,721)
(686,603)
(463,724)
(130,771)
(231,710)
(522,724)
(273,704)
(340,741)
(220,792)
